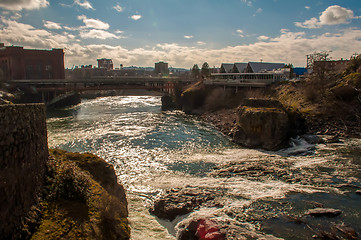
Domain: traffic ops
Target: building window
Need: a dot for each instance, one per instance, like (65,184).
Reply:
(49,71)
(28,71)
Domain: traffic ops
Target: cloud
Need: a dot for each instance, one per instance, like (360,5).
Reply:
(248,2)
(98,34)
(51,25)
(201,43)
(93,23)
(188,37)
(15,16)
(263,38)
(16,33)
(136,17)
(118,8)
(308,7)
(239,32)
(333,15)
(287,47)
(17,5)
(84,4)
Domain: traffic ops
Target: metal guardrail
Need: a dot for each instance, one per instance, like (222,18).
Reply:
(235,83)
(100,80)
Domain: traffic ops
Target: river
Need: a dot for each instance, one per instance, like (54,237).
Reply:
(153,151)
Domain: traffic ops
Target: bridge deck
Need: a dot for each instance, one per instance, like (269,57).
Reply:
(102,80)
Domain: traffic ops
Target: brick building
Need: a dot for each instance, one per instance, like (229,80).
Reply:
(105,63)
(161,68)
(330,66)
(17,63)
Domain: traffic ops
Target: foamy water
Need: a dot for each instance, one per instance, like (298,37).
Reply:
(153,151)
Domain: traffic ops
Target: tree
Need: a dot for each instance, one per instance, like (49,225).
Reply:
(195,71)
(205,71)
(354,65)
(290,66)
(317,56)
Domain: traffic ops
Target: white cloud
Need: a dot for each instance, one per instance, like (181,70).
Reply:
(248,2)
(98,33)
(188,37)
(136,17)
(263,38)
(17,5)
(118,8)
(308,7)
(333,15)
(15,16)
(201,43)
(26,35)
(84,4)
(52,25)
(240,33)
(259,10)
(93,23)
(287,47)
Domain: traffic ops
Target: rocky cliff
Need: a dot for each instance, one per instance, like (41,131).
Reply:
(61,196)
(261,123)
(23,156)
(82,199)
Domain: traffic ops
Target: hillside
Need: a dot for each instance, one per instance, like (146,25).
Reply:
(328,103)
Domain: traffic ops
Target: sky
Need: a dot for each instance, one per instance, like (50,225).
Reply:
(184,32)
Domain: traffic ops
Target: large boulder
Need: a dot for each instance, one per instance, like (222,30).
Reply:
(261,123)
(167,103)
(178,202)
(192,99)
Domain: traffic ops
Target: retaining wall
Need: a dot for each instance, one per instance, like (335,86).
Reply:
(23,155)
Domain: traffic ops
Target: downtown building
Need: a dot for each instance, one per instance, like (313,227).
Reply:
(17,63)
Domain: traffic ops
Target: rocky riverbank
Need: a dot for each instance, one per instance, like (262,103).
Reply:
(324,114)
(319,197)
(331,108)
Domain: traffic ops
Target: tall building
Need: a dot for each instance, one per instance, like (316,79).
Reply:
(161,68)
(17,63)
(105,63)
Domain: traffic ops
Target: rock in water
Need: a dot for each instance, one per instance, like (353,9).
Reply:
(261,123)
(201,229)
(177,202)
(320,212)
(167,103)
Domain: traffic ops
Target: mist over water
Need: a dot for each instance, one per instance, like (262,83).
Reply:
(153,151)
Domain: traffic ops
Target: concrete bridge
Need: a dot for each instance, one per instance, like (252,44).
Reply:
(51,91)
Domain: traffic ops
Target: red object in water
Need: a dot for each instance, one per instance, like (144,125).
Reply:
(208,230)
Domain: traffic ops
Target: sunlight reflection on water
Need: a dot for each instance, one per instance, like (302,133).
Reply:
(153,150)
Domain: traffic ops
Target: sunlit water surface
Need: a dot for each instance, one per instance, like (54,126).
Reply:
(153,150)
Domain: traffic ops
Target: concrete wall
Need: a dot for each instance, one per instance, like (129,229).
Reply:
(23,155)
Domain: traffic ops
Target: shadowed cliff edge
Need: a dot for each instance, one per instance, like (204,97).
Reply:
(54,194)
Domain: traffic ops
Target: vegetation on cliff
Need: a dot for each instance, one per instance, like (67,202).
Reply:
(327,102)
(82,199)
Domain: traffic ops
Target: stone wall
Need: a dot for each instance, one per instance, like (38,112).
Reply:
(23,155)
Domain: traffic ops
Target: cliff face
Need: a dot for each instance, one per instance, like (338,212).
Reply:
(23,156)
(254,123)
(261,123)
(82,199)
(64,196)
(192,99)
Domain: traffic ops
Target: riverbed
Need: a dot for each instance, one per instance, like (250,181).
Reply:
(153,151)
